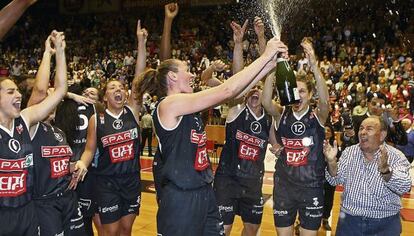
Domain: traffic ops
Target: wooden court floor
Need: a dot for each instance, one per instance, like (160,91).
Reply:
(145,223)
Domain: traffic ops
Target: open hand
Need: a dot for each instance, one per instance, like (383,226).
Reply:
(83,100)
(258,26)
(238,31)
(309,51)
(329,151)
(218,65)
(383,160)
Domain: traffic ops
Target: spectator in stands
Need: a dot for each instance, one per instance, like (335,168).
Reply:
(377,105)
(374,170)
(408,149)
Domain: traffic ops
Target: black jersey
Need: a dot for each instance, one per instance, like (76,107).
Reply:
(301,161)
(51,161)
(79,142)
(118,143)
(183,152)
(16,165)
(246,143)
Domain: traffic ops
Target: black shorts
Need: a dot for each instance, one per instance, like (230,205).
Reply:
(20,221)
(289,199)
(238,197)
(60,215)
(188,212)
(86,191)
(118,196)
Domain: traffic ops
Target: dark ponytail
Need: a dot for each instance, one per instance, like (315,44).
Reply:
(154,82)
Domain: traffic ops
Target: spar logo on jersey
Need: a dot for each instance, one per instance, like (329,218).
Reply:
(197,138)
(14,145)
(297,150)
(12,165)
(250,139)
(56,151)
(8,165)
(201,160)
(249,147)
(117,138)
(297,143)
(13,184)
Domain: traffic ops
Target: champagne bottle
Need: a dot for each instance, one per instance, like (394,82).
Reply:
(286,83)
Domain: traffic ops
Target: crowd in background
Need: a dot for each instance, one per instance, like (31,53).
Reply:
(359,56)
(365,61)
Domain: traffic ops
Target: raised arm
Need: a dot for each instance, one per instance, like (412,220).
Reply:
(238,34)
(40,111)
(260,33)
(189,103)
(171,10)
(80,99)
(271,106)
(11,13)
(238,60)
(207,75)
(81,166)
(133,101)
(41,85)
(142,35)
(322,89)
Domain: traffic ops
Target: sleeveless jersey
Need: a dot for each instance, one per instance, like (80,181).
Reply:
(79,142)
(51,161)
(117,143)
(301,161)
(183,152)
(246,143)
(16,165)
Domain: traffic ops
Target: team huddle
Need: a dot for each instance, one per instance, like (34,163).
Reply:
(67,160)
